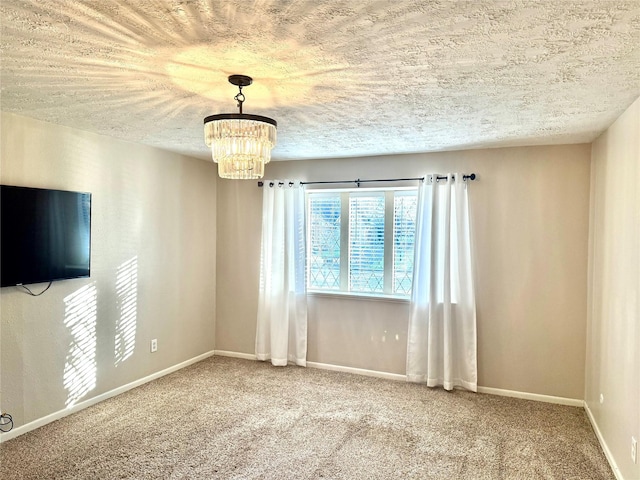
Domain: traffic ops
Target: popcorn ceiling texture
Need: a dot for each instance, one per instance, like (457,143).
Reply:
(342,78)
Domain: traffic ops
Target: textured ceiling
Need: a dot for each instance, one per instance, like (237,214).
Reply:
(342,78)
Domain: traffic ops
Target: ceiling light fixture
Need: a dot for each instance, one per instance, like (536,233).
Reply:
(240,143)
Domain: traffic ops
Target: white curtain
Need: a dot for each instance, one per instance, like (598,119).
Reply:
(281,334)
(441,348)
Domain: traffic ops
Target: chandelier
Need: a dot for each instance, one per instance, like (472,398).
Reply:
(240,143)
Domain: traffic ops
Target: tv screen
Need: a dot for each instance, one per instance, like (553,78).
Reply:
(45,235)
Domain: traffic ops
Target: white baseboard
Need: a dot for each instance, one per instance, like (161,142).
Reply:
(603,444)
(572,402)
(99,398)
(357,371)
(322,366)
(226,353)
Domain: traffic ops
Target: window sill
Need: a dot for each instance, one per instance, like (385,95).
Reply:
(359,296)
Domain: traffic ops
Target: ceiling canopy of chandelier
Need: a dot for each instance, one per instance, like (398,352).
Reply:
(240,143)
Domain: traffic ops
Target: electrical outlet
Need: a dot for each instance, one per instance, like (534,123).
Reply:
(154,345)
(601,398)
(634,450)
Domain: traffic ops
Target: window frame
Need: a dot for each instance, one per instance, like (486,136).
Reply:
(389,218)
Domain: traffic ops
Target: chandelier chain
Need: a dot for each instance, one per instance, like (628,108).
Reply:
(239,98)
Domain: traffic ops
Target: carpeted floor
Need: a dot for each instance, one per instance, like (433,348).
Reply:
(225,418)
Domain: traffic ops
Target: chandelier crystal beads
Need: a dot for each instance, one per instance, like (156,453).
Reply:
(240,143)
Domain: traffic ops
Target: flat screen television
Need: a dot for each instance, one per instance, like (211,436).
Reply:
(45,235)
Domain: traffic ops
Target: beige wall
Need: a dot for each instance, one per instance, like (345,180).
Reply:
(613,347)
(150,208)
(530,213)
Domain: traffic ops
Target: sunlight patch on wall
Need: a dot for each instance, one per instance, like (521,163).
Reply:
(80,368)
(127,298)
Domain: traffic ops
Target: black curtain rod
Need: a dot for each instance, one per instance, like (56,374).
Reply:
(471,176)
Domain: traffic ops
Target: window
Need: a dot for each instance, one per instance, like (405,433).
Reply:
(323,261)
(361,241)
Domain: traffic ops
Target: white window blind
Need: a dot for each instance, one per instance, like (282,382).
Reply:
(361,241)
(404,233)
(323,262)
(366,242)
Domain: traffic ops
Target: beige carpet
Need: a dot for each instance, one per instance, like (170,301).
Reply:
(235,419)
